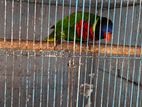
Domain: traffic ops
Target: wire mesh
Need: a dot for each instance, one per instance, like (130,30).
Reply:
(68,72)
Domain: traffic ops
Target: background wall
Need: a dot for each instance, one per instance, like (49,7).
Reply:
(28,77)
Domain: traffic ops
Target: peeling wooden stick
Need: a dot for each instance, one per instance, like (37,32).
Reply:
(30,45)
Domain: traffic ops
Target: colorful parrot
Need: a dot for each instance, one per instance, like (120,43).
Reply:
(94,28)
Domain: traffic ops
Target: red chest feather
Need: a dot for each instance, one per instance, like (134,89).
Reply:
(85,30)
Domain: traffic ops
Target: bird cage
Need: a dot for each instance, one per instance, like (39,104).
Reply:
(79,67)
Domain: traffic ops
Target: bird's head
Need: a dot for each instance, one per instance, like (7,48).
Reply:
(106,28)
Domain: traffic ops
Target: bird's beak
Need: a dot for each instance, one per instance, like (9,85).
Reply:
(107,36)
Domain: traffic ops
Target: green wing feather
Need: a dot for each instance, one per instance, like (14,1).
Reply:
(64,34)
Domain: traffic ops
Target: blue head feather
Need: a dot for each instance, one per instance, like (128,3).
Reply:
(106,28)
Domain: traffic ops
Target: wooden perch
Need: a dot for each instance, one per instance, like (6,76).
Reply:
(28,45)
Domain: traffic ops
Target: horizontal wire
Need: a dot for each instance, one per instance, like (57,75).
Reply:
(93,5)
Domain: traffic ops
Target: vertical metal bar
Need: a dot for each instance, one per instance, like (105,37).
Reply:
(96,83)
(62,26)
(124,43)
(88,27)
(19,102)
(48,81)
(41,23)
(129,52)
(12,80)
(110,65)
(41,79)
(96,13)
(55,31)
(33,85)
(118,42)
(5,73)
(5,18)
(69,23)
(114,90)
(139,74)
(33,96)
(61,92)
(5,83)
(102,2)
(72,63)
(69,82)
(42,57)
(12,22)
(27,81)
(86,61)
(133,74)
(78,81)
(121,83)
(34,33)
(139,78)
(55,81)
(80,58)
(48,28)
(104,63)
(20,20)
(62,32)
(92,59)
(126,20)
(69,67)
(27,23)
(95,100)
(83,6)
(101,13)
(27,32)
(74,42)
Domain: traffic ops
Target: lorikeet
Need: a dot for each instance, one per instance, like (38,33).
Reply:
(94,27)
